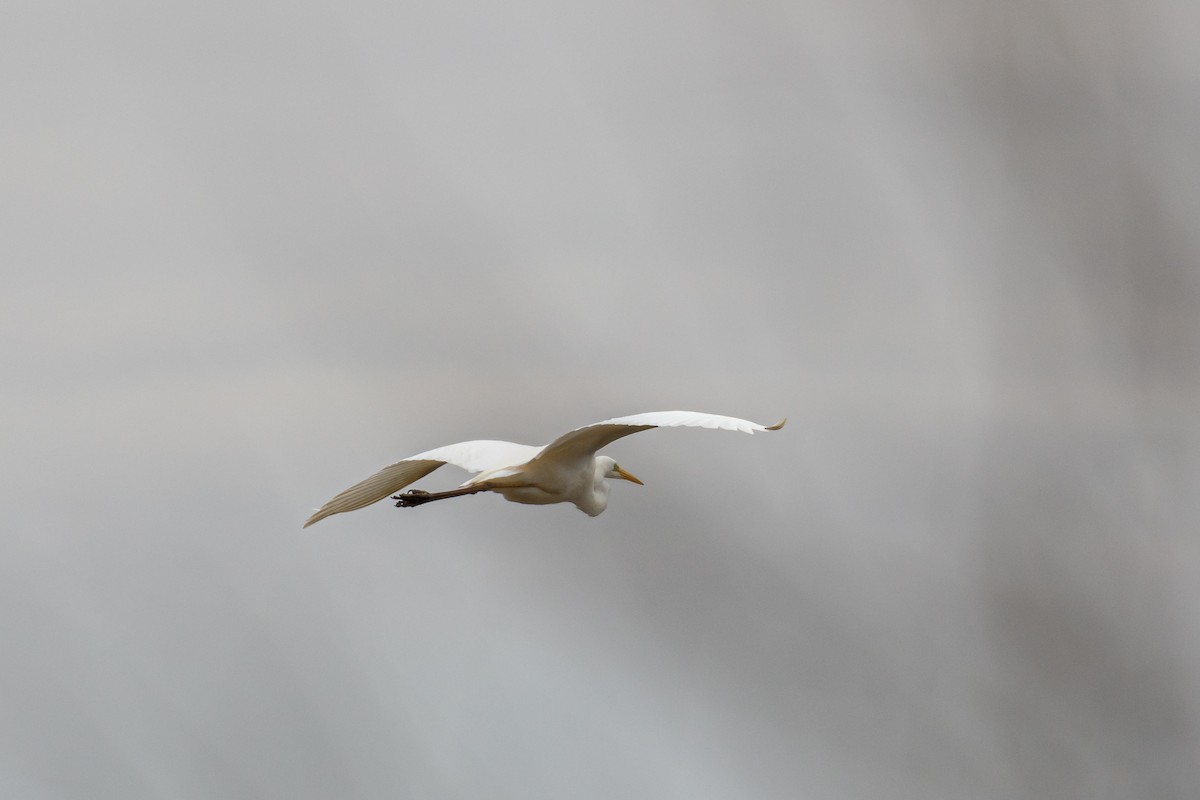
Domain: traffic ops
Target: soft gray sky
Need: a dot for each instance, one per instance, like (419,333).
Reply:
(255,250)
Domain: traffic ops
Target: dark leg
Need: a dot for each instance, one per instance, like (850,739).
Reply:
(417,497)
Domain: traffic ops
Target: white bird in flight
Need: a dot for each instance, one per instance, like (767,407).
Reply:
(565,471)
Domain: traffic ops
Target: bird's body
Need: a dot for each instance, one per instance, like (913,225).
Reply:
(540,483)
(565,471)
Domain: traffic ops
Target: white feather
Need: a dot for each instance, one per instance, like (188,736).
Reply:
(587,440)
(508,459)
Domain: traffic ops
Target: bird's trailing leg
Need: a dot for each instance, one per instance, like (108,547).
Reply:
(417,497)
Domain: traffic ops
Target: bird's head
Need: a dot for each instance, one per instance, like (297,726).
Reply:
(613,470)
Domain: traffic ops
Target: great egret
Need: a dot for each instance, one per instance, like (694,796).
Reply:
(565,471)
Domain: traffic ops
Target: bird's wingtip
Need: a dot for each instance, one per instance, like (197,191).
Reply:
(777,425)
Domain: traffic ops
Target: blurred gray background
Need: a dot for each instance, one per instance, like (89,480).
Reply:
(254,251)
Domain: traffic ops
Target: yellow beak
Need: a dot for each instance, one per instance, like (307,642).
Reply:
(628,476)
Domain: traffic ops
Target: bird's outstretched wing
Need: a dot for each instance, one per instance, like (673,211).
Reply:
(476,456)
(585,441)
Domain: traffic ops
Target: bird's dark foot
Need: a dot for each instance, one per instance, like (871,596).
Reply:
(411,498)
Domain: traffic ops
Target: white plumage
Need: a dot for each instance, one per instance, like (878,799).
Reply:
(565,471)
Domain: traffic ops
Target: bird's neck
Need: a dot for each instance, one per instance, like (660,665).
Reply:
(595,501)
